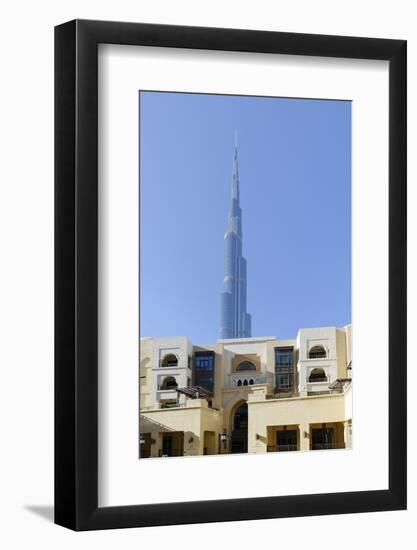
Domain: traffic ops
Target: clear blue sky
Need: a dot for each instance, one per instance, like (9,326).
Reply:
(295,185)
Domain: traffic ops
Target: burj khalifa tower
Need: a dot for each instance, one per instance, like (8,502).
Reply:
(235,321)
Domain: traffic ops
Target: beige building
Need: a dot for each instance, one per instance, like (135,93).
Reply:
(251,395)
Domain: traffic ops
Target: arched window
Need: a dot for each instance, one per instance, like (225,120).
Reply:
(317,375)
(239,382)
(169,383)
(245,382)
(245,365)
(317,352)
(170,360)
(251,382)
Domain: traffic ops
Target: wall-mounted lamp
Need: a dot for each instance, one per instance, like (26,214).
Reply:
(191,440)
(223,439)
(142,440)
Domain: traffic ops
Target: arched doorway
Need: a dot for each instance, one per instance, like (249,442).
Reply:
(239,443)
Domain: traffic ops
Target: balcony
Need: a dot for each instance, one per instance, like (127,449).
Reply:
(170,405)
(249,378)
(328,391)
(315,388)
(165,394)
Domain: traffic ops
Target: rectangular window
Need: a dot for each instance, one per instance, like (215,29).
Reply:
(284,369)
(287,440)
(322,438)
(284,357)
(204,370)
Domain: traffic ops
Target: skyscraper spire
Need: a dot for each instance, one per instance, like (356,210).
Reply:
(235,321)
(235,175)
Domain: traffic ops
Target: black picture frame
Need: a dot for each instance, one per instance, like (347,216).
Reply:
(76,272)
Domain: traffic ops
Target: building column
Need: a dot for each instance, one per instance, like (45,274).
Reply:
(257,431)
(348,433)
(302,383)
(155,447)
(304,435)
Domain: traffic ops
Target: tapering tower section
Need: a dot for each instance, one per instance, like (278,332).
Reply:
(235,321)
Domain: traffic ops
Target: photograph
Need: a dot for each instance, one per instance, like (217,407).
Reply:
(245,340)
(209,214)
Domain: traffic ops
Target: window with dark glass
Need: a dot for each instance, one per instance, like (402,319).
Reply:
(323,438)
(284,369)
(204,370)
(317,375)
(245,365)
(287,440)
(317,352)
(169,383)
(169,360)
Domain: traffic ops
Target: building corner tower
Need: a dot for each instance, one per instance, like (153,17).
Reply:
(235,321)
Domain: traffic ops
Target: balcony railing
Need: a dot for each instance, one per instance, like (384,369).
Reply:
(281,448)
(324,446)
(170,405)
(325,392)
(280,390)
(281,395)
(258,378)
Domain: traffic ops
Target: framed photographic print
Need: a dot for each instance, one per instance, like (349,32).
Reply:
(230,275)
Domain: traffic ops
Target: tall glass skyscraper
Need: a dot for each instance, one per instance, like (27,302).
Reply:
(235,321)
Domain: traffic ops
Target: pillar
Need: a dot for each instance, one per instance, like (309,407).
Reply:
(155,447)
(348,433)
(304,437)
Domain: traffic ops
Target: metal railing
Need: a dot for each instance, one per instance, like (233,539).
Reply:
(318,380)
(325,446)
(281,395)
(159,405)
(168,364)
(325,392)
(281,448)
(279,392)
